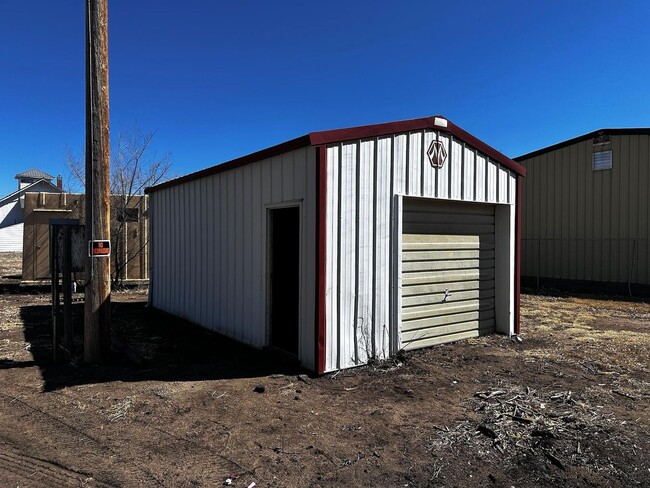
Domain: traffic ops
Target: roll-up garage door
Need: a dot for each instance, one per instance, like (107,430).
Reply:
(447,271)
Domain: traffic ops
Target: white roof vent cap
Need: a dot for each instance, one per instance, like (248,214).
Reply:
(440,122)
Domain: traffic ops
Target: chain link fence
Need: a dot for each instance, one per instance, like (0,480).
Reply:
(623,261)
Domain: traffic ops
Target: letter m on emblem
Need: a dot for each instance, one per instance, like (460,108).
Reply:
(437,154)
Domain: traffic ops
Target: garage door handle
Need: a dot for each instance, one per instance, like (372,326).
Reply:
(447,295)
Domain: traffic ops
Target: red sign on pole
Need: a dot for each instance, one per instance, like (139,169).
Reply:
(99,249)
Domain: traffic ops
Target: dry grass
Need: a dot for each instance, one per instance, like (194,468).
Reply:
(582,328)
(11,265)
(568,406)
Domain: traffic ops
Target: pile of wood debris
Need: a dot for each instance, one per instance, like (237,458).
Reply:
(520,422)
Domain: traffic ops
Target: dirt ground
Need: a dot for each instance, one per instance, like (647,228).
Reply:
(566,406)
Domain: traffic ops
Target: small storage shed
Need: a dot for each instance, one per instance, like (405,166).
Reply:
(344,245)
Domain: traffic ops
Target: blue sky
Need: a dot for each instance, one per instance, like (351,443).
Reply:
(218,80)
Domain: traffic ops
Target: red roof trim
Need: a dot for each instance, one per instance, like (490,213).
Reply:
(349,134)
(485,149)
(321,250)
(377,130)
(367,131)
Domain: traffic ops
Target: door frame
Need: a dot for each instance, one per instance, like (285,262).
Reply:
(267,272)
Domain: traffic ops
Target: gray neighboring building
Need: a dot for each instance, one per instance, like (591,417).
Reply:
(586,209)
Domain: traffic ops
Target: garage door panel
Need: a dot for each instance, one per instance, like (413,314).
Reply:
(447,264)
(483,245)
(437,239)
(452,318)
(453,328)
(446,206)
(424,216)
(415,278)
(474,229)
(452,286)
(469,332)
(447,308)
(439,298)
(421,255)
(448,275)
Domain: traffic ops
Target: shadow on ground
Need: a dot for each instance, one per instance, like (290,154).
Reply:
(168,349)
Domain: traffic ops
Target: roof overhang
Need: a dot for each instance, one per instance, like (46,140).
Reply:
(27,188)
(327,137)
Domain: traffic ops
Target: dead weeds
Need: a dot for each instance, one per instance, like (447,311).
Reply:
(567,406)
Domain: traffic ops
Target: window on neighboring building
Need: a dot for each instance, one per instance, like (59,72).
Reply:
(601,158)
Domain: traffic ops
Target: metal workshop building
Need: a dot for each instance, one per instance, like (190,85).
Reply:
(344,245)
(586,212)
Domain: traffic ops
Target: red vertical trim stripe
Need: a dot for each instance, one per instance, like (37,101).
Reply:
(517,296)
(321,247)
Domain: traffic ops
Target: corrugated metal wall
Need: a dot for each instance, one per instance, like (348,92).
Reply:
(11,213)
(362,179)
(580,224)
(209,247)
(11,226)
(11,238)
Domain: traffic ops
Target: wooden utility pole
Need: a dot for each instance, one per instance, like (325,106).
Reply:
(97,310)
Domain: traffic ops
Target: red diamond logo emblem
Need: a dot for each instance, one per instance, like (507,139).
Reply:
(437,154)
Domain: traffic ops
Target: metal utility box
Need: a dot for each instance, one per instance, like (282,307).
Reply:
(66,242)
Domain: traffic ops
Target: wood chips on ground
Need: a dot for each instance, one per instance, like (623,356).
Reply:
(567,406)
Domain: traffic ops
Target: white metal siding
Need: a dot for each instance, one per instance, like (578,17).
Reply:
(209,247)
(397,165)
(11,238)
(11,213)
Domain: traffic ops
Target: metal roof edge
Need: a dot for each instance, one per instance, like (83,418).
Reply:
(333,136)
(584,137)
(35,173)
(377,130)
(367,131)
(487,150)
(26,190)
(234,163)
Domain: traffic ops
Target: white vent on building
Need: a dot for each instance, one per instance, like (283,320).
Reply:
(602,160)
(440,122)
